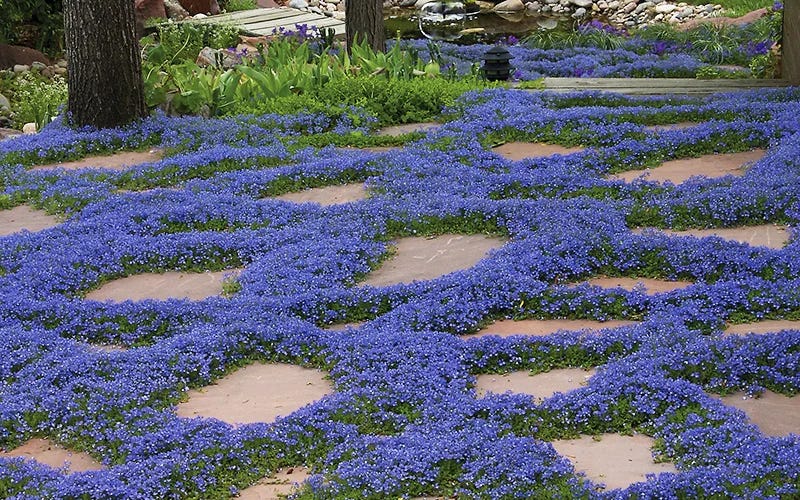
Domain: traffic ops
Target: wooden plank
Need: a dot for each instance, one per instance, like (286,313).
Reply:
(266,21)
(791,41)
(274,24)
(651,86)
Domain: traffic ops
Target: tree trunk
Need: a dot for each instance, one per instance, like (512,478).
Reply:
(364,20)
(105,67)
(790,46)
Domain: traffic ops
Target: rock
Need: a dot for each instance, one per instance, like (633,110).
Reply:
(407,3)
(509,6)
(579,13)
(581,3)
(419,3)
(665,8)
(8,132)
(29,128)
(5,104)
(38,65)
(11,55)
(148,9)
(200,6)
(59,70)
(21,68)
(175,10)
(298,4)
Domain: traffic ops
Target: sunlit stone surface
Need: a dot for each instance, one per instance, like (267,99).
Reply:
(520,150)
(328,195)
(711,166)
(774,414)
(24,217)
(257,393)
(163,286)
(48,453)
(541,328)
(765,235)
(541,385)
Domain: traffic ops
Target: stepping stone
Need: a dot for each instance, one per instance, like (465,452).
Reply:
(419,259)
(257,393)
(520,150)
(766,326)
(651,286)
(711,166)
(765,235)
(542,328)
(340,327)
(541,385)
(24,217)
(279,485)
(163,286)
(671,126)
(407,128)
(774,414)
(612,459)
(116,161)
(328,195)
(48,453)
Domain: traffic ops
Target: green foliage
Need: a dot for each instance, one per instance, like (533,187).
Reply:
(44,16)
(36,99)
(765,66)
(236,5)
(183,41)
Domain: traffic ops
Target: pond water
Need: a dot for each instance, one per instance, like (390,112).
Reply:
(466,27)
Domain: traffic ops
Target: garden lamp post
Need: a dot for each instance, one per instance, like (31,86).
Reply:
(496,65)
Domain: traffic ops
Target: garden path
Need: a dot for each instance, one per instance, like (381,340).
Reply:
(269,21)
(679,171)
(328,195)
(54,455)
(116,161)
(23,217)
(163,286)
(764,235)
(542,328)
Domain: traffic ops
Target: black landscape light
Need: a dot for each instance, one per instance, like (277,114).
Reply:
(496,65)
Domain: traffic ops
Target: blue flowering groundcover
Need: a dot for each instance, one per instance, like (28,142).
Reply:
(404,419)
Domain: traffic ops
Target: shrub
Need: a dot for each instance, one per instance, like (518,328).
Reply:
(35,99)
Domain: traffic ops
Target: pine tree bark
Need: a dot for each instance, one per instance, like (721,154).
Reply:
(364,21)
(105,68)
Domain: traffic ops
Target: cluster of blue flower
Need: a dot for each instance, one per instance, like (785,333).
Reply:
(404,419)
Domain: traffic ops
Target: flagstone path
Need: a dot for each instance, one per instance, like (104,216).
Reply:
(257,393)
(328,195)
(407,128)
(679,171)
(671,126)
(418,259)
(612,459)
(774,414)
(24,217)
(117,161)
(765,235)
(48,453)
(163,286)
(541,385)
(651,286)
(765,326)
(542,328)
(282,483)
(520,150)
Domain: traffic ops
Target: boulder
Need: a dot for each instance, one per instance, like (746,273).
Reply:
(510,6)
(175,10)
(13,55)
(200,6)
(148,9)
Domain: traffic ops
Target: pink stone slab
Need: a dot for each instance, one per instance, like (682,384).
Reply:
(774,414)
(520,150)
(22,217)
(163,286)
(541,328)
(407,128)
(614,460)
(257,393)
(328,195)
(766,326)
(711,166)
(652,286)
(671,126)
(765,235)
(48,453)
(419,259)
(541,385)
(282,483)
(116,161)
(339,327)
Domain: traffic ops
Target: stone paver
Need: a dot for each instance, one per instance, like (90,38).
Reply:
(651,286)
(419,259)
(116,161)
(774,414)
(765,326)
(407,128)
(257,393)
(711,166)
(765,235)
(328,195)
(163,286)
(541,385)
(612,459)
(671,126)
(520,150)
(24,217)
(541,328)
(282,483)
(48,453)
